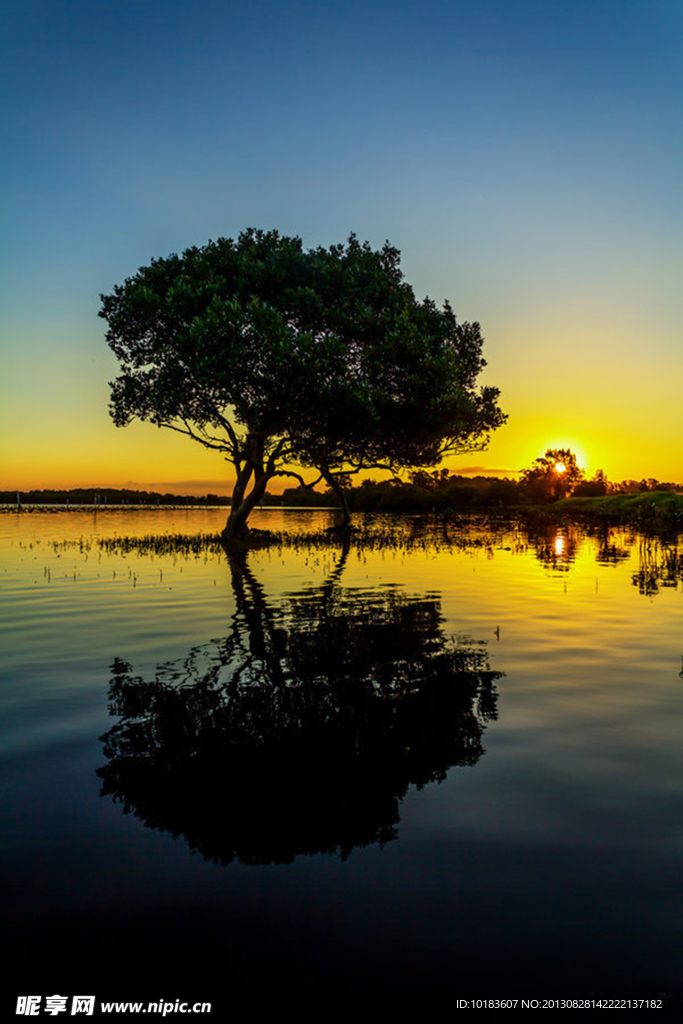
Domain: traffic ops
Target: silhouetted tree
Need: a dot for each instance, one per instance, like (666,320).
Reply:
(595,488)
(280,357)
(552,476)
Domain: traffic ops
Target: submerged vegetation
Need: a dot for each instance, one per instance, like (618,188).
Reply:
(554,541)
(402,535)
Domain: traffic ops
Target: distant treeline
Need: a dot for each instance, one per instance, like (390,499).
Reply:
(423,491)
(440,489)
(108,496)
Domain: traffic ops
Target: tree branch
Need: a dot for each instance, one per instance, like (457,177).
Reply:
(227,426)
(359,467)
(274,456)
(195,437)
(297,476)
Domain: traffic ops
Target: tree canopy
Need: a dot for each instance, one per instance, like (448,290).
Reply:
(552,476)
(286,360)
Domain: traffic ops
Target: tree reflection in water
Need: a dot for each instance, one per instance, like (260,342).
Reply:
(660,560)
(660,564)
(301,730)
(554,546)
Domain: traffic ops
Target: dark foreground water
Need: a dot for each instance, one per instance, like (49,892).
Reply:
(404,776)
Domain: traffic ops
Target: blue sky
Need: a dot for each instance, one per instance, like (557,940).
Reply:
(524,156)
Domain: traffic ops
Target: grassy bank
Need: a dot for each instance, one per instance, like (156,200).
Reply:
(646,509)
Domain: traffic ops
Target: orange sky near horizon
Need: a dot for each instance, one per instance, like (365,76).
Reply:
(75,444)
(560,389)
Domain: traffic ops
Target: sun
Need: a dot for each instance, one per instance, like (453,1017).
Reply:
(560,467)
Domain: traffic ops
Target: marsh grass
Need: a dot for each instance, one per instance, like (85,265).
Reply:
(404,535)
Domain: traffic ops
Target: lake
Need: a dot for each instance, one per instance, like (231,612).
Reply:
(442,765)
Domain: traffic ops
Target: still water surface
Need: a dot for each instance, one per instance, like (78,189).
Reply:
(435,770)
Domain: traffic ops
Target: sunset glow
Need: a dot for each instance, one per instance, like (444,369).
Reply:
(517,199)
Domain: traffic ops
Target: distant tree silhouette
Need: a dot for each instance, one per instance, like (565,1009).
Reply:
(552,476)
(595,488)
(279,357)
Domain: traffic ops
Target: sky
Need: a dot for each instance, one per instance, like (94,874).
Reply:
(524,156)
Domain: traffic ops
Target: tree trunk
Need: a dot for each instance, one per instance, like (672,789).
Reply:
(342,520)
(236,529)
